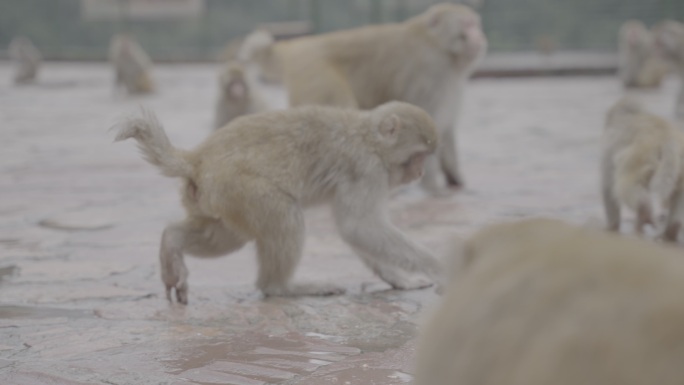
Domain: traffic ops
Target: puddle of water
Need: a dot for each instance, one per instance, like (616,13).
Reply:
(14,312)
(253,359)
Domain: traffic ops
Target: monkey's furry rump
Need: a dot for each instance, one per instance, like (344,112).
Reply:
(155,146)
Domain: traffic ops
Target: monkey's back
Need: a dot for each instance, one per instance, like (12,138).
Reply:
(284,149)
(374,52)
(543,302)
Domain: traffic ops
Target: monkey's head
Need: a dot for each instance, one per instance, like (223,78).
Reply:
(457,29)
(404,136)
(669,39)
(232,82)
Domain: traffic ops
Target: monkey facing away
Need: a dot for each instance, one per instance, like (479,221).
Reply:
(540,302)
(26,58)
(642,160)
(425,61)
(132,66)
(669,37)
(237,96)
(252,179)
(639,64)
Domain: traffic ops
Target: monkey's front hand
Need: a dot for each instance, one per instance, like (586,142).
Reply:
(402,280)
(174,275)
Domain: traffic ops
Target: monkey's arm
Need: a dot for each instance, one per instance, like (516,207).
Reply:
(361,217)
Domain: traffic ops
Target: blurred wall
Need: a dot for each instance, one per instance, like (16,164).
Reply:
(59,29)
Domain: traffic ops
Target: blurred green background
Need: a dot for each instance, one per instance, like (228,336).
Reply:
(60,32)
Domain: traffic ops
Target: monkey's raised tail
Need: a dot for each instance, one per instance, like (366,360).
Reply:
(667,173)
(154,144)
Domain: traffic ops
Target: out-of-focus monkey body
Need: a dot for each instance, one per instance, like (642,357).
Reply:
(540,302)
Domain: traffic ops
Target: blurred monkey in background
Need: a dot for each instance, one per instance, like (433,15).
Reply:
(425,61)
(26,58)
(642,160)
(132,66)
(237,95)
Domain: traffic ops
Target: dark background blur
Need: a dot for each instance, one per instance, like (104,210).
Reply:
(62,29)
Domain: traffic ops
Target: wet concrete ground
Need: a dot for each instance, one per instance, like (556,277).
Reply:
(81,301)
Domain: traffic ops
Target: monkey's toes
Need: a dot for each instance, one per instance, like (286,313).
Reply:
(412,283)
(181,294)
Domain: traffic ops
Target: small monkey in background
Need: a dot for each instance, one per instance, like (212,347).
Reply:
(669,37)
(540,302)
(639,65)
(132,66)
(26,58)
(237,96)
(252,179)
(642,158)
(425,61)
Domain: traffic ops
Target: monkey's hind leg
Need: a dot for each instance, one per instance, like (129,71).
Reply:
(201,237)
(674,217)
(279,248)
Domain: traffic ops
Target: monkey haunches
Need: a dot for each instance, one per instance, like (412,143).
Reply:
(251,181)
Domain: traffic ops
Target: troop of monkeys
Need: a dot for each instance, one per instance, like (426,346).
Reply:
(536,301)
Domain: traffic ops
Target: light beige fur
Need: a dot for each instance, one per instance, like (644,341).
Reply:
(669,37)
(541,302)
(27,59)
(425,61)
(237,95)
(639,64)
(642,160)
(132,66)
(252,179)
(257,50)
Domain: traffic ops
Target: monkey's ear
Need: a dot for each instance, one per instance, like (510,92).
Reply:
(389,127)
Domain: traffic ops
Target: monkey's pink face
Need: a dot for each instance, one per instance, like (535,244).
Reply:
(460,34)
